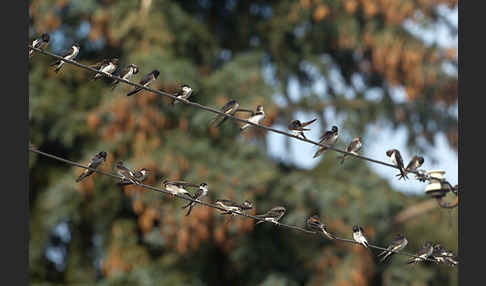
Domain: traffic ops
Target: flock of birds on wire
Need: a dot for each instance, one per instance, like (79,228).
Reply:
(429,250)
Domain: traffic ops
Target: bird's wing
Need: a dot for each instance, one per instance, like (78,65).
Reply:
(183,183)
(308,122)
(246,110)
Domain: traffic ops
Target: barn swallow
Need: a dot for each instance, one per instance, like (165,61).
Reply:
(139,175)
(328,138)
(69,55)
(273,215)
(40,43)
(177,187)
(297,128)
(145,81)
(353,147)
(231,206)
(315,224)
(201,192)
(125,173)
(126,74)
(106,66)
(395,156)
(255,117)
(397,244)
(424,253)
(95,162)
(231,107)
(184,93)
(359,235)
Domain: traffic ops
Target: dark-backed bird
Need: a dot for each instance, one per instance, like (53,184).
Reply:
(107,66)
(297,128)
(230,108)
(329,138)
(396,158)
(255,117)
(126,173)
(184,93)
(273,215)
(145,81)
(313,223)
(231,206)
(201,192)
(353,147)
(424,253)
(397,244)
(126,74)
(40,43)
(69,55)
(139,175)
(95,162)
(359,235)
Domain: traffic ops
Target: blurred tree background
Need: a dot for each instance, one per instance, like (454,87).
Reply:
(250,51)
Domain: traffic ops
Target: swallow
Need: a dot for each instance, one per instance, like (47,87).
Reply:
(126,74)
(315,224)
(231,206)
(125,173)
(397,244)
(106,66)
(451,260)
(415,163)
(69,55)
(95,162)
(359,235)
(273,215)
(353,147)
(177,187)
(145,81)
(255,117)
(139,175)
(297,128)
(40,43)
(184,93)
(231,107)
(201,192)
(395,156)
(441,255)
(424,253)
(329,138)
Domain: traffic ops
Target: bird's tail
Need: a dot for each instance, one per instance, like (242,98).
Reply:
(341,158)
(83,175)
(403,174)
(319,152)
(31,53)
(388,254)
(189,210)
(244,127)
(134,91)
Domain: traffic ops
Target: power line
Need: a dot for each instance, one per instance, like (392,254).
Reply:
(210,109)
(210,205)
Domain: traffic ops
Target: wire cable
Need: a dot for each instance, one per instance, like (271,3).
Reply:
(210,109)
(297,228)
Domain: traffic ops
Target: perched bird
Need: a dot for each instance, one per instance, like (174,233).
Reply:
(145,81)
(424,253)
(315,224)
(441,255)
(255,117)
(106,66)
(178,187)
(451,260)
(231,206)
(397,244)
(395,156)
(125,173)
(415,163)
(297,128)
(329,138)
(69,55)
(40,43)
(184,93)
(126,74)
(359,236)
(353,147)
(231,107)
(273,215)
(95,162)
(201,192)
(139,175)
